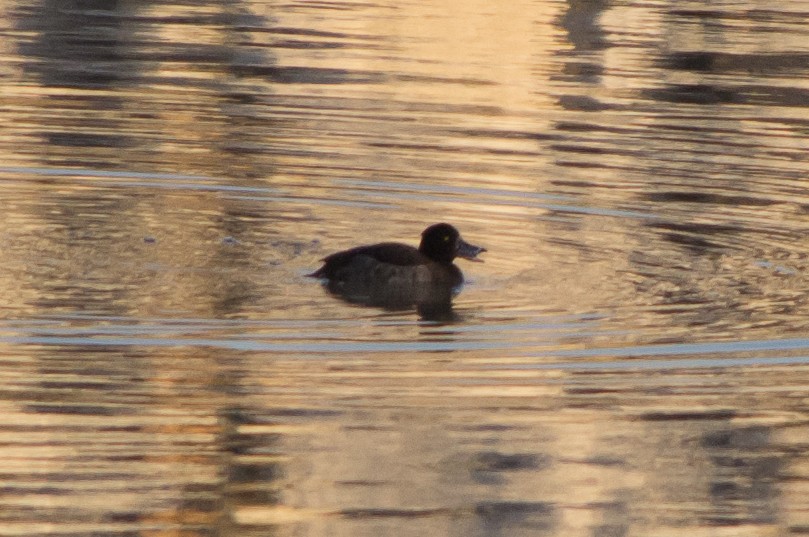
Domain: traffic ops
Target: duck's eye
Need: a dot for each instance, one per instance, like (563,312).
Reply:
(446,238)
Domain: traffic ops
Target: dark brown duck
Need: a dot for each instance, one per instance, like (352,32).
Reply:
(395,274)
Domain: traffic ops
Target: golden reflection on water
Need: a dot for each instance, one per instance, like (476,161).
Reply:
(629,360)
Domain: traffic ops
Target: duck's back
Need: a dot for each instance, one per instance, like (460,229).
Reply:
(388,253)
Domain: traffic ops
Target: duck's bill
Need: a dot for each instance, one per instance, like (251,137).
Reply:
(469,251)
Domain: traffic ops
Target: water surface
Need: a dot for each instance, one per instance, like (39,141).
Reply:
(631,359)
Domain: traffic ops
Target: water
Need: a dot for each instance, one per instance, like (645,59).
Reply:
(631,359)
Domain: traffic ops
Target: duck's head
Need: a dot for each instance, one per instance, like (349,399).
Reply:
(442,243)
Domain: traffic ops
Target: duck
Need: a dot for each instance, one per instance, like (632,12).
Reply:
(396,275)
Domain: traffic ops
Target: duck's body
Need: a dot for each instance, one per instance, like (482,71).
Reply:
(394,274)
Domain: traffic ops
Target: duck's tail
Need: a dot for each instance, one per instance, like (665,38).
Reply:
(319,273)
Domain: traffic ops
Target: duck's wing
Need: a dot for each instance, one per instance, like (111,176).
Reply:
(391,253)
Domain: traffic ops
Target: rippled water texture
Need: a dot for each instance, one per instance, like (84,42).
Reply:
(631,359)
